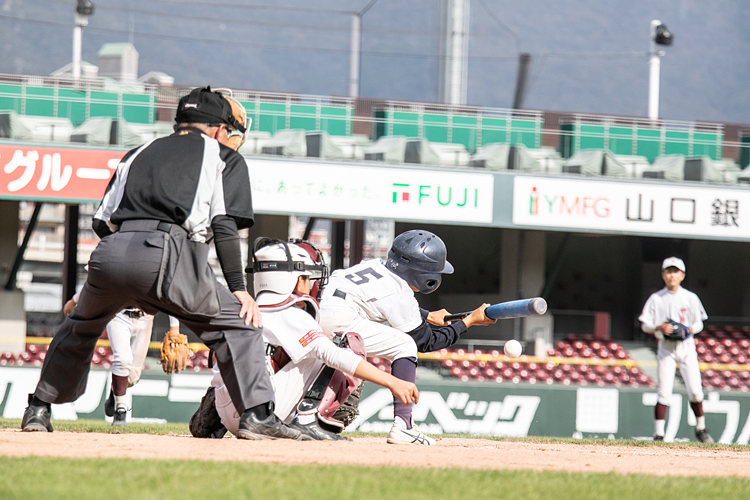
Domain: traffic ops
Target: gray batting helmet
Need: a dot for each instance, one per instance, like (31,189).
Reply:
(419,258)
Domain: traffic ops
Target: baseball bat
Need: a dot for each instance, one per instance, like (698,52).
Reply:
(506,310)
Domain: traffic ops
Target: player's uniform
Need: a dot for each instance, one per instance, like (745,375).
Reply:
(295,330)
(375,303)
(683,307)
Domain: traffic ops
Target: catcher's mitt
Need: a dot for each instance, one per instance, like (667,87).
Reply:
(206,422)
(175,352)
(679,332)
(349,409)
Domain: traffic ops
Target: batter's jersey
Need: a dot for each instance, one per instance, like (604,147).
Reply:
(682,306)
(186,178)
(380,295)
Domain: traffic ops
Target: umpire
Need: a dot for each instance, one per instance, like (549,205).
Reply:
(157,213)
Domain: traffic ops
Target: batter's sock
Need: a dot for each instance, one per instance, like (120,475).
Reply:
(659,427)
(404,369)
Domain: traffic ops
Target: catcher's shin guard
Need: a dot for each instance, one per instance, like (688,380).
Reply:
(332,387)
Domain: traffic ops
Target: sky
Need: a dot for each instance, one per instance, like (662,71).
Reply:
(588,56)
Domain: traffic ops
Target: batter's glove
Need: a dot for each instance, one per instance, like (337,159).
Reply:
(175,352)
(349,409)
(679,331)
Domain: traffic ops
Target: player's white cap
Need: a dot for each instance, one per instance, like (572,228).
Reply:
(673,262)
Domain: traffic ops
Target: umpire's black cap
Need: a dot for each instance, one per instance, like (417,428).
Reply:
(202,105)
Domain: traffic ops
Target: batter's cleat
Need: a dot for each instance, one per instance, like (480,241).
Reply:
(109,404)
(120,416)
(36,418)
(316,432)
(401,435)
(270,428)
(703,436)
(657,437)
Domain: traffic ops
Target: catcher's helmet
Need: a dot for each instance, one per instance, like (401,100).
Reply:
(276,267)
(419,258)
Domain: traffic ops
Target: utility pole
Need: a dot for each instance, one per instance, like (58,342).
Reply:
(84,9)
(355,51)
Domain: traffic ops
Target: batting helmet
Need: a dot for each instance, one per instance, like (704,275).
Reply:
(419,258)
(276,267)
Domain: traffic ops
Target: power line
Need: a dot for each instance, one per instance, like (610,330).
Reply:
(173,15)
(258,7)
(578,55)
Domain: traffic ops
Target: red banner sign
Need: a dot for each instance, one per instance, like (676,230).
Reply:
(55,173)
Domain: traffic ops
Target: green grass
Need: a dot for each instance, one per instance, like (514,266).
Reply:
(112,479)
(40,478)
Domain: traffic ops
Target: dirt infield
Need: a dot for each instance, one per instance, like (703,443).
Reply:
(449,453)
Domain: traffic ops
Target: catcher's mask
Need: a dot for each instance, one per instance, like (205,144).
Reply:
(202,105)
(237,132)
(277,264)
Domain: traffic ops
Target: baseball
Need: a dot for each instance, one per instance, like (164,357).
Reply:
(512,348)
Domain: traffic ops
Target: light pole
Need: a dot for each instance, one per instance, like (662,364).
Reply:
(660,35)
(84,9)
(356,49)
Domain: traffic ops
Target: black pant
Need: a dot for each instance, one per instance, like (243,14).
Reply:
(123,272)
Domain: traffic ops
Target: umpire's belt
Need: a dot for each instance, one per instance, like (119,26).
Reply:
(151,225)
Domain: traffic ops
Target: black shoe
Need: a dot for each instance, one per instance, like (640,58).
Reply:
(703,436)
(270,428)
(316,432)
(658,437)
(206,422)
(109,404)
(36,418)
(120,417)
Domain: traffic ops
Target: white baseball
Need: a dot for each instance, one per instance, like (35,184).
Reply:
(512,348)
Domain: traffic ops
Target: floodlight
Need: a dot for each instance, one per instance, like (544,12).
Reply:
(662,35)
(85,7)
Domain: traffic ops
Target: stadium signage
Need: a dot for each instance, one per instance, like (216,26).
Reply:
(389,193)
(594,205)
(445,406)
(55,173)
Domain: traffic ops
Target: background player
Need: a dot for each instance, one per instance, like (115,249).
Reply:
(299,350)
(376,300)
(674,315)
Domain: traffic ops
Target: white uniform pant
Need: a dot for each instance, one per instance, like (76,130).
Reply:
(383,341)
(290,384)
(668,355)
(129,338)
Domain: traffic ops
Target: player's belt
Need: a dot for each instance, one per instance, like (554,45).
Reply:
(340,294)
(151,225)
(270,350)
(134,313)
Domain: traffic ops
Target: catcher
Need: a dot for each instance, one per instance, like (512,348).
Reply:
(311,374)
(129,334)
